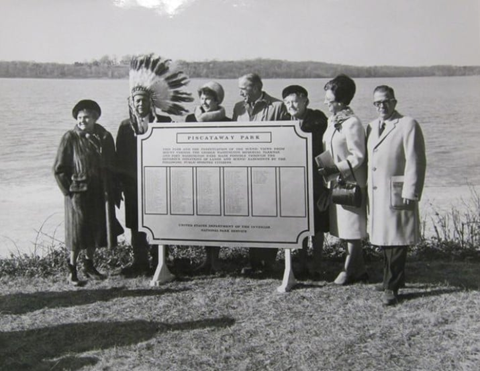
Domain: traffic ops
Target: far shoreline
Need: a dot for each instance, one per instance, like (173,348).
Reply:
(118,68)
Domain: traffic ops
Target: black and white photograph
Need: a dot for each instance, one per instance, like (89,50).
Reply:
(240,185)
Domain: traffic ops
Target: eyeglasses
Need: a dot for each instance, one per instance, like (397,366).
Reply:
(383,102)
(328,102)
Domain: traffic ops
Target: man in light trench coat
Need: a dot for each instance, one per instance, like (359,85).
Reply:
(396,174)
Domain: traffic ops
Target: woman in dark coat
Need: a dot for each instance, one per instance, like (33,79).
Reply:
(296,101)
(211,96)
(84,172)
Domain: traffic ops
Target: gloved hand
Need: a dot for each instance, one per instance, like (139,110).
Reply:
(328,170)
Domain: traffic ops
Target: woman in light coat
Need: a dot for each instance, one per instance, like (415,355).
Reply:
(396,174)
(344,139)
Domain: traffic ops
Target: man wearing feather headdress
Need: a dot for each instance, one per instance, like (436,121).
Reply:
(153,87)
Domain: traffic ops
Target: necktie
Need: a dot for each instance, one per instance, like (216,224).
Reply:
(250,106)
(381,129)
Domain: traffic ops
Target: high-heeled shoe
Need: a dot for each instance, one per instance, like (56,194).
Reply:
(343,279)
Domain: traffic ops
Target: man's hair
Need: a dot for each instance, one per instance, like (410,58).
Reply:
(254,79)
(385,89)
(343,87)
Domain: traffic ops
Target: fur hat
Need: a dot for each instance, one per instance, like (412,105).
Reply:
(294,89)
(88,105)
(216,88)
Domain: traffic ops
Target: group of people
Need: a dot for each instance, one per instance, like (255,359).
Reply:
(387,161)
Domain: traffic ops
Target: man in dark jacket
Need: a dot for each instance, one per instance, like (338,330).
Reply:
(257,105)
(141,115)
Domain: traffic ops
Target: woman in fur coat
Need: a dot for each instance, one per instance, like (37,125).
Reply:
(211,97)
(84,169)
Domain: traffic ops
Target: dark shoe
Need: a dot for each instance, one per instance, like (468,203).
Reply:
(135,270)
(72,275)
(249,271)
(205,268)
(315,274)
(380,287)
(363,278)
(389,298)
(90,271)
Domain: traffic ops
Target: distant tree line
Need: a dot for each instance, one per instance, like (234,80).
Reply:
(114,68)
(269,68)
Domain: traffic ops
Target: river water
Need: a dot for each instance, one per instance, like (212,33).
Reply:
(35,113)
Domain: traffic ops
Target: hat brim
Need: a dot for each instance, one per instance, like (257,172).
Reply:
(294,89)
(86,104)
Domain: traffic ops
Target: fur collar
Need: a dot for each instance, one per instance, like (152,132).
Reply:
(202,116)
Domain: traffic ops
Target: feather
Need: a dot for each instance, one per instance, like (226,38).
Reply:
(152,74)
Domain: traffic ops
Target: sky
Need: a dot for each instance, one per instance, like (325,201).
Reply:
(352,32)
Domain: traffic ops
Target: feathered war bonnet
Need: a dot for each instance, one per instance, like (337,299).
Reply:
(151,75)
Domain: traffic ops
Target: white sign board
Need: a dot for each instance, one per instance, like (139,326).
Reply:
(226,184)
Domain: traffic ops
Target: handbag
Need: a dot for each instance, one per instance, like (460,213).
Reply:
(347,193)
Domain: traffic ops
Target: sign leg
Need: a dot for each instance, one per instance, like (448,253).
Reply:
(288,278)
(162,274)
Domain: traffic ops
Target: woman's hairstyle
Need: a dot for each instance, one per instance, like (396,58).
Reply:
(207,91)
(343,87)
(385,89)
(212,89)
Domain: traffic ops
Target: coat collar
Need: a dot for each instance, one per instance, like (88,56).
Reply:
(390,125)
(202,116)
(264,98)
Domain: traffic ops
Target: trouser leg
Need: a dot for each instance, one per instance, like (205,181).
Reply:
(318,241)
(154,255)
(262,257)
(303,255)
(394,267)
(268,257)
(214,257)
(254,258)
(317,247)
(140,248)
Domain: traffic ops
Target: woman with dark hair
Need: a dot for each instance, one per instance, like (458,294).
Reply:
(211,96)
(84,169)
(344,139)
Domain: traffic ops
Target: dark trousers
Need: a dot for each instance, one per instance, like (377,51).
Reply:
(141,249)
(395,258)
(262,257)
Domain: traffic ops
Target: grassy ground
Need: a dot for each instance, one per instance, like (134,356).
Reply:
(228,322)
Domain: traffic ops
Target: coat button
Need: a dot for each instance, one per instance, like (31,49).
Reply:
(374,187)
(374,169)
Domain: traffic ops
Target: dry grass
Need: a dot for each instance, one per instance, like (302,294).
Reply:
(233,323)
